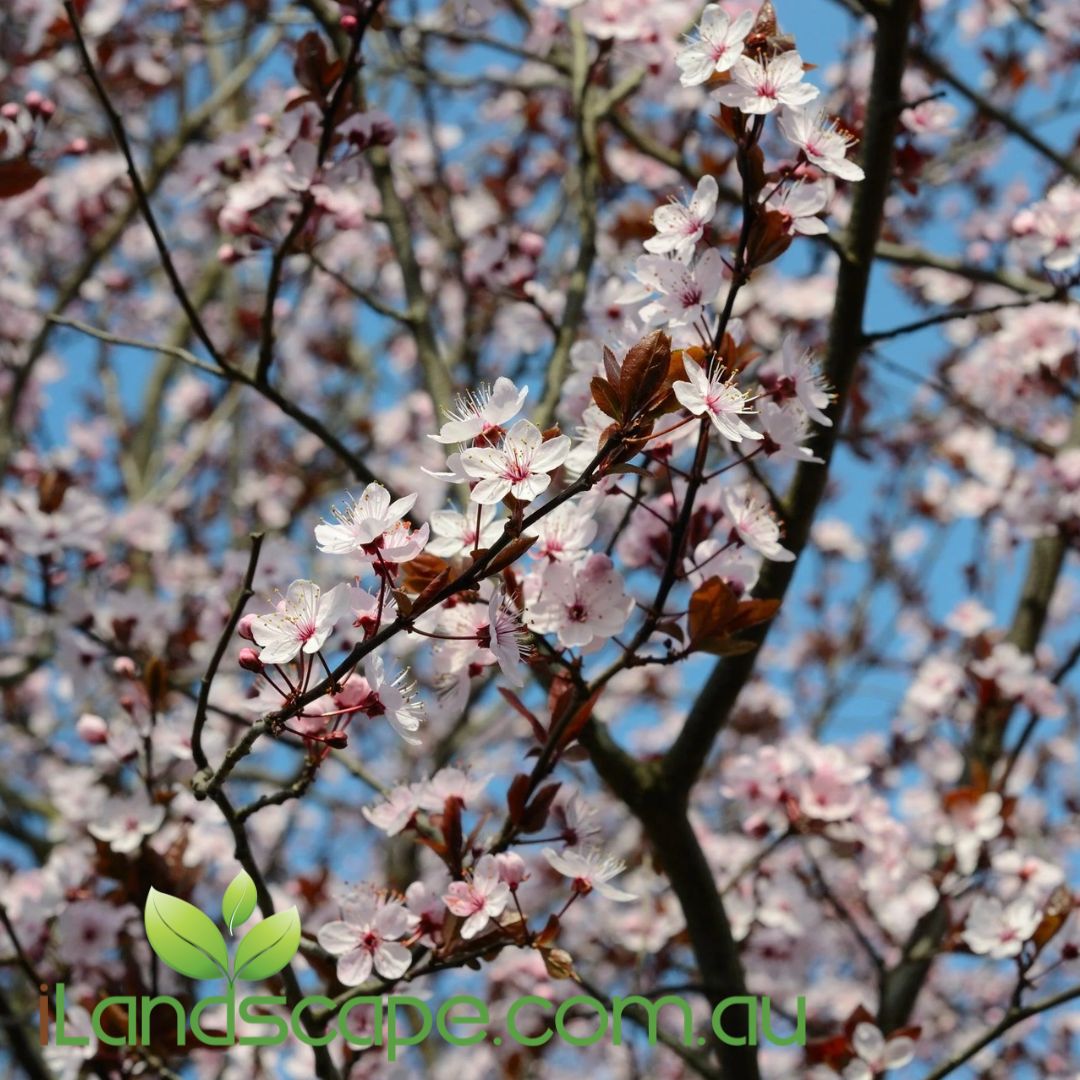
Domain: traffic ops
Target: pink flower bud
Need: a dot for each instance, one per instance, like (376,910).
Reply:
(531,244)
(348,22)
(228,254)
(249,660)
(47,109)
(92,729)
(243,627)
(10,111)
(124,666)
(34,100)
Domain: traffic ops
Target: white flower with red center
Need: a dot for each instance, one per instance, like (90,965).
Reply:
(502,637)
(461,534)
(519,466)
(393,698)
(971,822)
(997,930)
(304,619)
(800,377)
(481,634)
(761,88)
(785,426)
(678,227)
(734,564)
(821,141)
(395,811)
(832,789)
(753,524)
(1027,875)
(367,937)
(451,783)
(718,398)
(719,46)
(580,602)
(876,1054)
(565,534)
(1050,230)
(591,870)
(485,410)
(800,205)
(685,291)
(375,526)
(124,822)
(480,899)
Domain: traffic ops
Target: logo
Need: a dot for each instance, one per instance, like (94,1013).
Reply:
(191,944)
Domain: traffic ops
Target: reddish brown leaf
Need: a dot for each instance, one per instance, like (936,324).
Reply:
(17,177)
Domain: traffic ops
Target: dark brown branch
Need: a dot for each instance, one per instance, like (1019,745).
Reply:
(687,755)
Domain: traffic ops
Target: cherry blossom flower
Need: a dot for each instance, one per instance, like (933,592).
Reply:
(124,822)
(375,526)
(565,534)
(393,698)
(800,204)
(736,565)
(719,46)
(425,904)
(678,227)
(480,899)
(760,88)
(367,936)
(304,619)
(502,637)
(685,291)
(998,930)
(1020,874)
(785,430)
(799,377)
(457,534)
(753,524)
(1050,230)
(482,634)
(580,603)
(590,869)
(483,411)
(876,1054)
(971,822)
(451,783)
(395,811)
(718,398)
(519,466)
(821,141)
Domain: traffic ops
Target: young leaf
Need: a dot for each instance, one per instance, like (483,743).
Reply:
(268,946)
(239,901)
(185,938)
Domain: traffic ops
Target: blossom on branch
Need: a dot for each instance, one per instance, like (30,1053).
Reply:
(519,466)
(304,619)
(759,89)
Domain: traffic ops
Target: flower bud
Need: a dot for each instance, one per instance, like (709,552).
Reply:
(124,666)
(249,660)
(348,22)
(243,627)
(92,729)
(531,244)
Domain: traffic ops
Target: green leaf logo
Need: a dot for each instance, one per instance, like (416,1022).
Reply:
(239,901)
(185,938)
(268,946)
